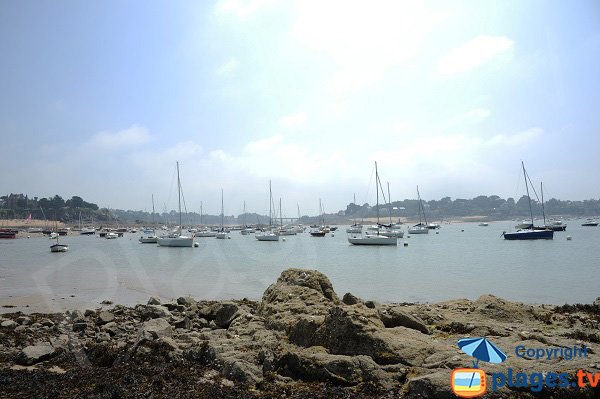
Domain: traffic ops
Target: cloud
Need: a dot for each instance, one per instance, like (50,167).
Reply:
(517,139)
(293,120)
(242,9)
(472,117)
(130,137)
(228,69)
(473,54)
(363,40)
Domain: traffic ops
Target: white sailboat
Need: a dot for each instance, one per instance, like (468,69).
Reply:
(177,239)
(58,247)
(150,236)
(356,227)
(268,235)
(246,230)
(373,239)
(222,234)
(420,228)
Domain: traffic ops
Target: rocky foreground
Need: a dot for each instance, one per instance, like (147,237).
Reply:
(299,341)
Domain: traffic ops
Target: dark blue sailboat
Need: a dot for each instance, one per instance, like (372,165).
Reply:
(531,233)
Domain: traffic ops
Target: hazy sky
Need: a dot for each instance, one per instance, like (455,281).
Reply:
(100,98)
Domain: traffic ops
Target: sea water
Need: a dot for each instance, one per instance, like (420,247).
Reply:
(460,260)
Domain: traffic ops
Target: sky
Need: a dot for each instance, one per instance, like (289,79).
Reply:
(100,99)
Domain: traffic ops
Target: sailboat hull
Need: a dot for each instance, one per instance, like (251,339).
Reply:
(59,248)
(267,237)
(418,230)
(181,241)
(372,240)
(530,235)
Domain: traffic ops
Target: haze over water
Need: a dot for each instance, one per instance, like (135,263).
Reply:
(451,264)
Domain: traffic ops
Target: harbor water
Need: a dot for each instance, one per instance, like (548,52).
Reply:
(460,260)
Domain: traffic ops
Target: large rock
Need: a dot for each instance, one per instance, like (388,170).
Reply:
(225,313)
(35,354)
(105,317)
(394,316)
(155,328)
(357,330)
(9,324)
(430,386)
(315,364)
(297,294)
(153,311)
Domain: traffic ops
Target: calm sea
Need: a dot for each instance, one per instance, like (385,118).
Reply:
(463,260)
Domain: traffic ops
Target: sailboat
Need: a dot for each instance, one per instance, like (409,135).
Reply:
(529,233)
(150,234)
(177,239)
(320,231)
(420,228)
(268,235)
(222,234)
(246,230)
(392,230)
(373,239)
(58,247)
(355,227)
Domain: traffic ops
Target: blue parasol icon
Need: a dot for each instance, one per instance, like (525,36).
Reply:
(481,349)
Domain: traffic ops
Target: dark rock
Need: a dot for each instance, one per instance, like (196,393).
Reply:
(350,299)
(9,324)
(371,304)
(302,332)
(79,326)
(105,317)
(241,371)
(107,302)
(358,330)
(111,328)
(154,301)
(47,323)
(296,294)
(89,313)
(174,307)
(317,365)
(35,354)
(76,316)
(393,316)
(457,327)
(152,311)
(23,320)
(21,329)
(184,323)
(430,386)
(155,328)
(102,337)
(186,301)
(225,313)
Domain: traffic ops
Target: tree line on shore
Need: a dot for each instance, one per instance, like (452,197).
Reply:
(19,206)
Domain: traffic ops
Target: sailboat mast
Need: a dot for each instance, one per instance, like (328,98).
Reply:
(244,213)
(200,213)
(355,208)
(280,214)
(222,210)
(528,197)
(543,210)
(179,196)
(377,190)
(153,221)
(270,211)
(390,203)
